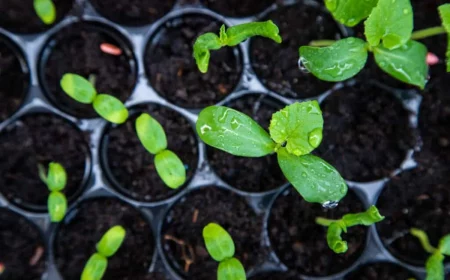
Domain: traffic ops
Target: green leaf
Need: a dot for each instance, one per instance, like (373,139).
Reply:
(110,108)
(151,134)
(111,241)
(367,218)
(233,132)
(340,61)
(218,242)
(170,168)
(407,63)
(78,88)
(444,12)
(46,11)
(239,33)
(334,238)
(444,245)
(315,179)
(202,46)
(57,177)
(94,268)
(350,12)
(435,267)
(57,206)
(391,21)
(298,126)
(231,269)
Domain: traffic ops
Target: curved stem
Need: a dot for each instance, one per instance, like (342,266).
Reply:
(321,43)
(428,32)
(423,238)
(324,221)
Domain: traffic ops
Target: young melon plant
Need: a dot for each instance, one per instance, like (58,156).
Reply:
(109,244)
(46,11)
(56,180)
(83,91)
(220,246)
(168,165)
(435,263)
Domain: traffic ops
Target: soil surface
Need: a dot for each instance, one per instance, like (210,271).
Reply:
(172,69)
(19,15)
(22,247)
(133,167)
(184,226)
(417,198)
(13,81)
(238,8)
(276,276)
(366,132)
(77,50)
(377,271)
(301,244)
(250,174)
(39,139)
(276,65)
(77,236)
(133,12)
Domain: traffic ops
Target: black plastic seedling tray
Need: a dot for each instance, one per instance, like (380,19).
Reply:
(99,180)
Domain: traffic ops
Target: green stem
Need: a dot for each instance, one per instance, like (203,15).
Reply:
(423,238)
(428,32)
(324,221)
(321,43)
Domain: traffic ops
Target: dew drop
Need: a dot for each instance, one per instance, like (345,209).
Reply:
(304,175)
(235,124)
(315,137)
(405,11)
(330,204)
(301,65)
(205,128)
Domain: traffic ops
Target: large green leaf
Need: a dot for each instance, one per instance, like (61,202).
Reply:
(94,268)
(444,12)
(111,241)
(340,61)
(391,21)
(151,134)
(57,206)
(110,108)
(78,88)
(315,179)
(218,242)
(231,269)
(233,132)
(170,168)
(298,126)
(350,12)
(407,63)
(435,267)
(46,11)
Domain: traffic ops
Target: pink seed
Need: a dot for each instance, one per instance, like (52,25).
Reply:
(2,268)
(432,59)
(110,49)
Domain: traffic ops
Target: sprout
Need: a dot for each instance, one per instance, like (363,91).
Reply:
(109,244)
(220,246)
(56,180)
(46,11)
(83,91)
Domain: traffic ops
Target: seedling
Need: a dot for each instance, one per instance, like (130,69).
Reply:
(83,91)
(435,263)
(168,165)
(295,132)
(231,37)
(220,246)
(336,227)
(46,11)
(56,180)
(109,244)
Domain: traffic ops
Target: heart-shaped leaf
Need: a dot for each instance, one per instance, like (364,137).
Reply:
(350,12)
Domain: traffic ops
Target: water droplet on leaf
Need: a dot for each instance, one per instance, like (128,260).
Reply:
(330,204)
(315,137)
(302,65)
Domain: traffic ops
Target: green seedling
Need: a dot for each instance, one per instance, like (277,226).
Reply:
(56,180)
(337,227)
(435,263)
(83,91)
(231,37)
(295,132)
(168,165)
(220,246)
(46,11)
(108,245)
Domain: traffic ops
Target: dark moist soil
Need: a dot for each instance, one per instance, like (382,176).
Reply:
(76,239)
(39,139)
(238,8)
(19,15)
(276,276)
(133,12)
(276,65)
(417,198)
(366,132)
(77,50)
(133,167)
(13,81)
(190,215)
(301,244)
(22,247)
(172,70)
(377,271)
(250,174)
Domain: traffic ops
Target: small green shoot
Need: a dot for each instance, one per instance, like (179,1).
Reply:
(231,37)
(168,165)
(56,180)
(46,11)
(435,263)
(109,244)
(83,91)
(336,227)
(220,246)
(444,12)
